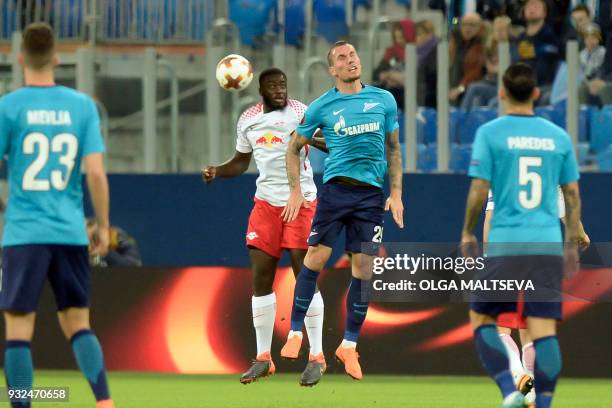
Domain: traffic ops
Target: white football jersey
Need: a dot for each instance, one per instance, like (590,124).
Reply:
(560,202)
(267,136)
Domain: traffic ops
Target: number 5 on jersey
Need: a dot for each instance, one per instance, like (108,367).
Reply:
(534,197)
(64,144)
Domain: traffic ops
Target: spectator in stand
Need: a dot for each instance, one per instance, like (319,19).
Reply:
(538,45)
(579,20)
(484,91)
(427,77)
(502,32)
(594,89)
(389,74)
(593,55)
(122,250)
(467,59)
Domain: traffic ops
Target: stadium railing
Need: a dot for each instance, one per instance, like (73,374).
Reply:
(68,17)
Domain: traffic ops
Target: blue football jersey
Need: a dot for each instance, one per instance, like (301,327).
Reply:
(44,133)
(355,127)
(525,158)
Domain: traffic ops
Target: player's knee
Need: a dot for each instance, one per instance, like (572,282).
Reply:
(262,284)
(73,320)
(479,319)
(19,325)
(317,257)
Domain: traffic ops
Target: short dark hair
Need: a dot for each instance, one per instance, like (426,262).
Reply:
(581,7)
(38,45)
(519,81)
(269,72)
(337,44)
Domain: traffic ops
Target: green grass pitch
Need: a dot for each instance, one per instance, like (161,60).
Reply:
(136,390)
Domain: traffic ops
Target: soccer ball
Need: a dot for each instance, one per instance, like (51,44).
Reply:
(234,72)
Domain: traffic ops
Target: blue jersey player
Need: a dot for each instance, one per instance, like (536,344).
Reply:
(523,158)
(46,131)
(359,123)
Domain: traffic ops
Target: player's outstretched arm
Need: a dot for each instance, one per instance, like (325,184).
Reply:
(231,168)
(97,183)
(477,196)
(394,163)
(292,158)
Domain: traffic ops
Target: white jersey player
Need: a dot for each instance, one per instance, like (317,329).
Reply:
(263,132)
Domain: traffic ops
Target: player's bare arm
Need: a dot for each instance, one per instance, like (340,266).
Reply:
(296,199)
(318,141)
(97,183)
(394,163)
(486,226)
(477,196)
(571,195)
(235,166)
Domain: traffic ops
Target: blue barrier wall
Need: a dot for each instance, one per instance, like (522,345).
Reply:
(179,221)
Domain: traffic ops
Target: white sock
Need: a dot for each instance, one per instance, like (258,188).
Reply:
(516,366)
(264,313)
(295,333)
(348,344)
(314,324)
(529,358)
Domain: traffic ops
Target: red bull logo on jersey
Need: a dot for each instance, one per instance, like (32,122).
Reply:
(341,129)
(268,140)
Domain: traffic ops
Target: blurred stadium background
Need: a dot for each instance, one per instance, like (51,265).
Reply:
(150,66)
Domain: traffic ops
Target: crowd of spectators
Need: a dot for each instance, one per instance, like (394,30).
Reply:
(537,32)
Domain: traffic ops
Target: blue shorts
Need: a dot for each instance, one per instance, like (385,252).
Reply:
(359,209)
(25,268)
(544,271)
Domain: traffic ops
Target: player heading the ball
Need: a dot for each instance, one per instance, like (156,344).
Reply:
(359,124)
(263,132)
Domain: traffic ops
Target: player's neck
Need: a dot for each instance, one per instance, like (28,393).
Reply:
(523,110)
(38,78)
(349,87)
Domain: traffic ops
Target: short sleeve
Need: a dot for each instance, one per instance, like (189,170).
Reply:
(92,142)
(310,123)
(390,113)
(490,203)
(569,171)
(242,142)
(481,165)
(5,130)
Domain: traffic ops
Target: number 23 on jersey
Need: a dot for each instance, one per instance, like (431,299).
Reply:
(36,144)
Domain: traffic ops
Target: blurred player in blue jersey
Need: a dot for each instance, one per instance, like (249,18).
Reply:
(523,158)
(46,131)
(359,123)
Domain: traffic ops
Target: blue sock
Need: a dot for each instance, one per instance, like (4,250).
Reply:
(356,308)
(305,287)
(18,368)
(547,369)
(88,354)
(494,357)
